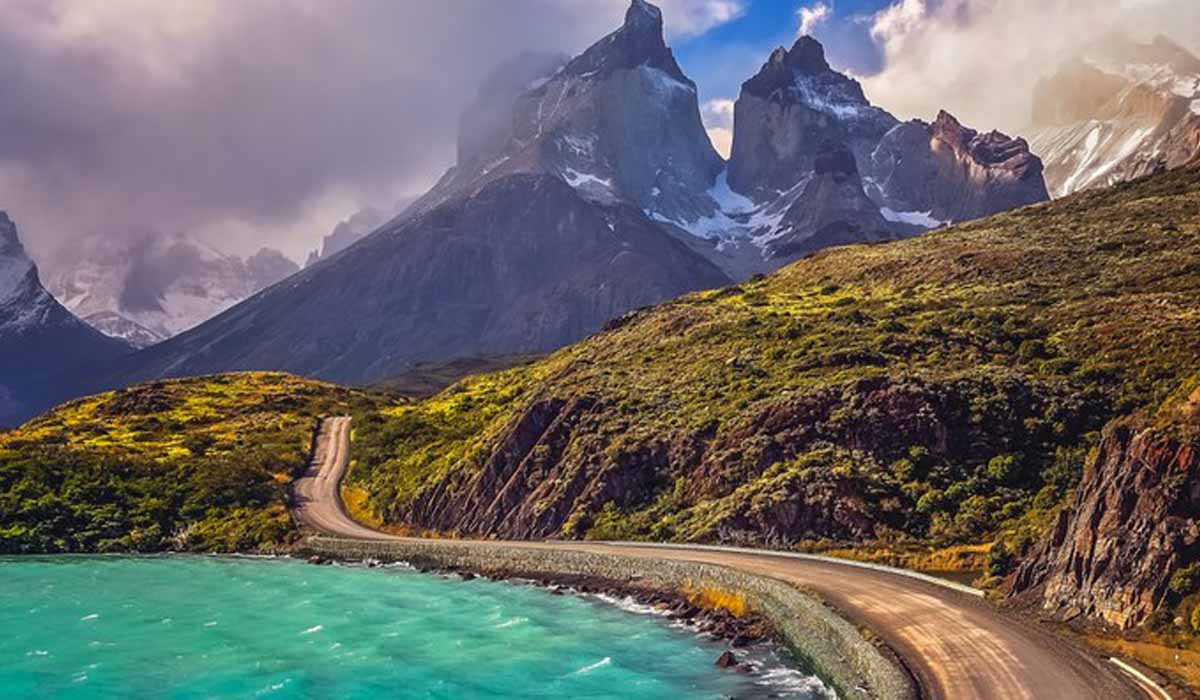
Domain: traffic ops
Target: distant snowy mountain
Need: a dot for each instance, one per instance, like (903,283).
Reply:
(150,289)
(41,344)
(1120,111)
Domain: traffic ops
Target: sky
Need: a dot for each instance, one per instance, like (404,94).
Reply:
(265,123)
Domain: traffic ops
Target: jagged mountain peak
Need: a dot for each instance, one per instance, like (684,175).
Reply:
(642,13)
(807,56)
(637,42)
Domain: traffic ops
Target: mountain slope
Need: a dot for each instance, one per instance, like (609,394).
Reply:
(943,389)
(1121,111)
(524,248)
(524,265)
(41,342)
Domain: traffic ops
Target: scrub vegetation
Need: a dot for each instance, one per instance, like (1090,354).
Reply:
(941,392)
(198,464)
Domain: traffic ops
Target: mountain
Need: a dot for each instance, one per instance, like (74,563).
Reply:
(939,391)
(40,341)
(620,124)
(150,288)
(1119,111)
(533,244)
(585,187)
(814,164)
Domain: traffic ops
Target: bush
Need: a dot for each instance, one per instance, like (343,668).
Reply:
(1185,580)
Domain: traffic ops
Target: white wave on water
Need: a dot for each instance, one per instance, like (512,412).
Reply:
(511,622)
(790,681)
(628,604)
(592,667)
(38,652)
(314,628)
(89,618)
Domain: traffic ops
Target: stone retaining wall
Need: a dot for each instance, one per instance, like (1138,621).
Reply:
(833,647)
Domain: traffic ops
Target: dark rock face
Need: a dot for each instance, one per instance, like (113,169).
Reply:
(1135,521)
(831,209)
(619,123)
(953,173)
(42,345)
(526,264)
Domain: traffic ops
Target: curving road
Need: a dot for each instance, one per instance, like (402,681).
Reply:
(958,646)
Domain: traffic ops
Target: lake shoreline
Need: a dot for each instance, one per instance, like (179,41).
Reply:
(821,641)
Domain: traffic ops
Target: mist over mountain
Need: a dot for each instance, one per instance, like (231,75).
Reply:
(149,289)
(1119,110)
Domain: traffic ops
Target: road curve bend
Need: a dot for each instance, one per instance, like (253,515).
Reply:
(958,646)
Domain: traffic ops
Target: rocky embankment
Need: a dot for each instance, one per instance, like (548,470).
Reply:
(1125,546)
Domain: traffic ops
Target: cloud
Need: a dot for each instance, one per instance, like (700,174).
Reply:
(690,18)
(254,123)
(717,115)
(811,16)
(980,59)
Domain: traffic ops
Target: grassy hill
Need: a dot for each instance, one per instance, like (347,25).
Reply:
(196,464)
(938,391)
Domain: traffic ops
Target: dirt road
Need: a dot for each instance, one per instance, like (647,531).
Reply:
(958,646)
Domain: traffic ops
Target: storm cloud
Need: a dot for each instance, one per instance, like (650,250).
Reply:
(252,123)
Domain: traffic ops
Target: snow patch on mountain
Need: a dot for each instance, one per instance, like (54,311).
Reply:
(923,219)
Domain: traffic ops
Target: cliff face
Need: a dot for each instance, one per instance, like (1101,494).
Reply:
(953,173)
(1135,522)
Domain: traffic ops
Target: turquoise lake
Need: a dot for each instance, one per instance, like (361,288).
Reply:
(200,627)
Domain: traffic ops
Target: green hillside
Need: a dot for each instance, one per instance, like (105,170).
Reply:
(197,464)
(940,390)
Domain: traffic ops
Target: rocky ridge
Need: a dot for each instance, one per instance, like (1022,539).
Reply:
(815,164)
(1121,551)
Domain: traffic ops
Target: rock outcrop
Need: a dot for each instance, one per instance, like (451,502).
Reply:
(788,115)
(1134,523)
(798,122)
